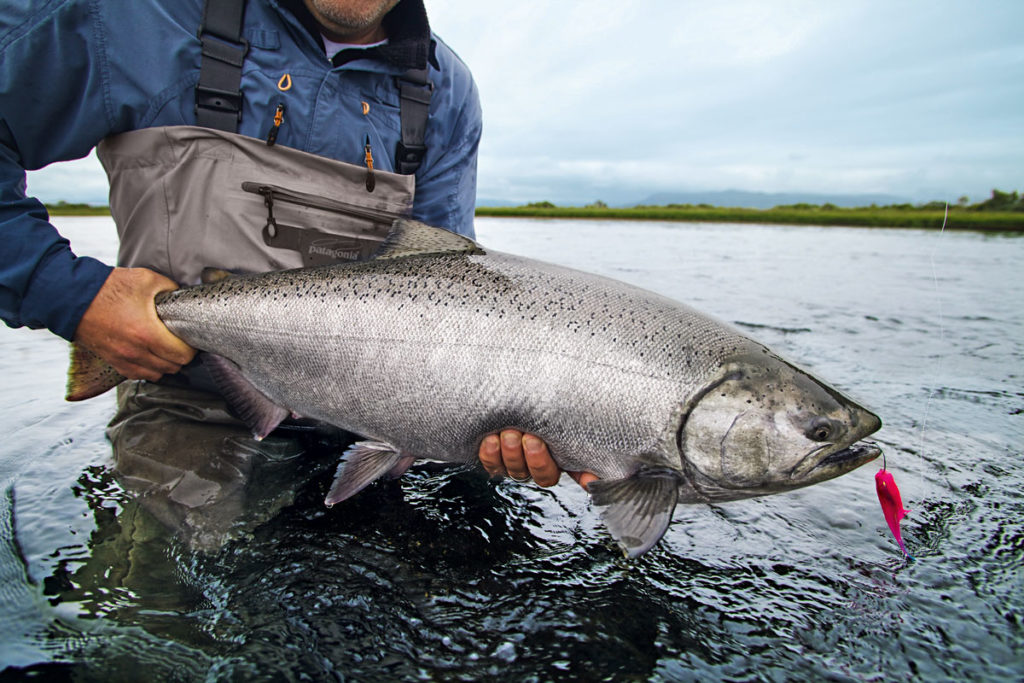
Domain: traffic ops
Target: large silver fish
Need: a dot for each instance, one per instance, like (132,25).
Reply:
(436,342)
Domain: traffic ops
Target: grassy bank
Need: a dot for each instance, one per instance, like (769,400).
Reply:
(958,219)
(66,209)
(905,216)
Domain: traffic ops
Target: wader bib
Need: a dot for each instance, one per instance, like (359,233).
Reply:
(185,198)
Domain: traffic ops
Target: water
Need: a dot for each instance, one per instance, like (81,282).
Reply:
(445,575)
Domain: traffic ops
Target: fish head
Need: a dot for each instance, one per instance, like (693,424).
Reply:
(764,426)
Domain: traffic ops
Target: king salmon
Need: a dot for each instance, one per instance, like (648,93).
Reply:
(436,342)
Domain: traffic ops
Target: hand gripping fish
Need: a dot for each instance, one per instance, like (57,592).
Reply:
(436,342)
(892,504)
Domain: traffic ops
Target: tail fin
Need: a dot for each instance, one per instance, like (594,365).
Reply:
(89,375)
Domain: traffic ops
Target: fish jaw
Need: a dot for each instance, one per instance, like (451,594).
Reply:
(848,459)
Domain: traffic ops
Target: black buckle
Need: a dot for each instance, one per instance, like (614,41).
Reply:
(219,100)
(215,53)
(409,154)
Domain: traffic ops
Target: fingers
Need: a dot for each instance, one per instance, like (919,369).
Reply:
(512,454)
(520,456)
(542,466)
(490,456)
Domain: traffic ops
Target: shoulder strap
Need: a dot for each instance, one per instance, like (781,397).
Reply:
(218,93)
(414,91)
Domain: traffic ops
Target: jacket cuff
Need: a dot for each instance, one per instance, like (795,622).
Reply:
(61,290)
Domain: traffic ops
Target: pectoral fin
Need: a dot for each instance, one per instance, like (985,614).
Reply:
(257,411)
(365,462)
(637,509)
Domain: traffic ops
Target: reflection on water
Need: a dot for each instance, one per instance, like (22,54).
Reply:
(445,574)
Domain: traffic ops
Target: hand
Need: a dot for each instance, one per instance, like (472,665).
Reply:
(121,326)
(522,456)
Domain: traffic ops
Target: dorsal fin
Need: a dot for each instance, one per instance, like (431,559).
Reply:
(412,238)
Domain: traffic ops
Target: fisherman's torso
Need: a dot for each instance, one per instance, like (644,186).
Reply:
(177,194)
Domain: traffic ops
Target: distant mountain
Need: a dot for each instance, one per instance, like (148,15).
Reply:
(724,198)
(767,200)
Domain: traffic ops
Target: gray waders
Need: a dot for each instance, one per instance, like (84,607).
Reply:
(186,198)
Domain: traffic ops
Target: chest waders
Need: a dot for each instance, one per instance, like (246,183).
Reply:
(185,198)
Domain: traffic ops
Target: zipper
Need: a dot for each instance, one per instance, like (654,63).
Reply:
(276,193)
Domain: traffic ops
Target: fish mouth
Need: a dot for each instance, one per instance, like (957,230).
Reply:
(852,457)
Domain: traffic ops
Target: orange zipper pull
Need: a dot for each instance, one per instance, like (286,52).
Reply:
(278,120)
(370,181)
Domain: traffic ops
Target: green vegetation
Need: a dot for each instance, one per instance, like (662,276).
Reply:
(1003,211)
(63,208)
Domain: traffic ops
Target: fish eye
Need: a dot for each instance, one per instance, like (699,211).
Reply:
(820,429)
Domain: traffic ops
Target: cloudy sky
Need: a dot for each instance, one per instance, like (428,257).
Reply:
(617,100)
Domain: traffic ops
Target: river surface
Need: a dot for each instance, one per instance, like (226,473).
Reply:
(447,575)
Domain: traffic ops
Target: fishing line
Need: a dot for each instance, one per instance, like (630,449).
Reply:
(942,329)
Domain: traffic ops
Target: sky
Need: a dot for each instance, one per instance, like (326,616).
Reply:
(617,101)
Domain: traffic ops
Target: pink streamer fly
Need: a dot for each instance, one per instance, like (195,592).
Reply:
(892,504)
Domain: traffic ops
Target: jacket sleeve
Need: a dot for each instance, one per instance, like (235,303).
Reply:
(446,183)
(53,107)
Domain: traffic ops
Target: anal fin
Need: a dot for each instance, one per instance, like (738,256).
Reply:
(637,509)
(257,411)
(366,461)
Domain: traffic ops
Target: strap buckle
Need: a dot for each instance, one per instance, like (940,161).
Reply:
(219,100)
(415,90)
(409,156)
(221,58)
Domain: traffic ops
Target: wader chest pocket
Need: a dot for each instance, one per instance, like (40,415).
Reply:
(327,230)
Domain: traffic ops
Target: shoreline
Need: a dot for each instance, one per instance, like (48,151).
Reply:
(957,219)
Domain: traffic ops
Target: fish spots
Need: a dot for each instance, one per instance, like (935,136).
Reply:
(587,316)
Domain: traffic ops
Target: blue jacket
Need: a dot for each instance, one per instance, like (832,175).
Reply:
(75,71)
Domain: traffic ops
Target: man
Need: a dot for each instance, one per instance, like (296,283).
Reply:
(354,99)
